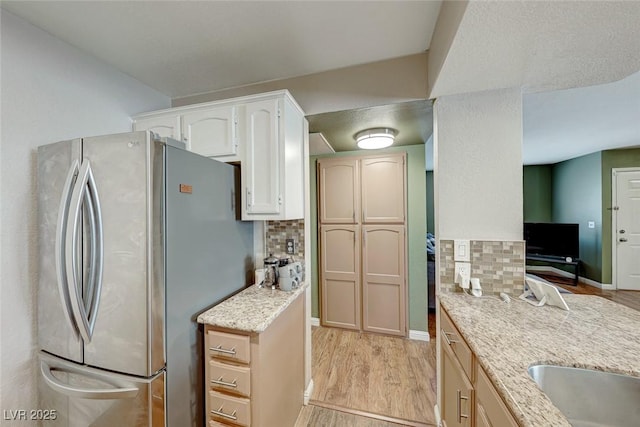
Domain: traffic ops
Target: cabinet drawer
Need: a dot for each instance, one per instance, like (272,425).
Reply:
(491,410)
(230,409)
(229,346)
(455,342)
(236,379)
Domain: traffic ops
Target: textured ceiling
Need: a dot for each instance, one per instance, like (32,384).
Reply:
(541,45)
(564,124)
(413,121)
(182,48)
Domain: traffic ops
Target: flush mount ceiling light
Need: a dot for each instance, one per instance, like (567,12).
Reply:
(372,139)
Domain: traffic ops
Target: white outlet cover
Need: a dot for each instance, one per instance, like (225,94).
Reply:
(461,250)
(462,268)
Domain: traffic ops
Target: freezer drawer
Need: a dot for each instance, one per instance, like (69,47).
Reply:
(83,396)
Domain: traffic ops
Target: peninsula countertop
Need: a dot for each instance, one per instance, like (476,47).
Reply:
(251,310)
(507,338)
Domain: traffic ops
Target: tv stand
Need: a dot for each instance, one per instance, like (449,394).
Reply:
(575,262)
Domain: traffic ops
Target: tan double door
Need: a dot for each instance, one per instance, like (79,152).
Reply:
(362,243)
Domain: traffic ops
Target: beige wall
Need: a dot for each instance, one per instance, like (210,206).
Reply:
(379,83)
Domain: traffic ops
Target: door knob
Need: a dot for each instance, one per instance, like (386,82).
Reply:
(622,239)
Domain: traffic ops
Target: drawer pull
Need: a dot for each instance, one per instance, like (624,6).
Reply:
(459,406)
(219,413)
(224,383)
(219,349)
(446,337)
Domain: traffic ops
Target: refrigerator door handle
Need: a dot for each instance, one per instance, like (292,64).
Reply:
(117,392)
(71,252)
(61,243)
(94,287)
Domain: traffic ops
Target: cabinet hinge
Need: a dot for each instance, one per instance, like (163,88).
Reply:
(278,113)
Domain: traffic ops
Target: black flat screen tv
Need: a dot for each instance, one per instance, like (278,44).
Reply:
(552,240)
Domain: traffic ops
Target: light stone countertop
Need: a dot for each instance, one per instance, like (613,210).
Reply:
(251,310)
(508,338)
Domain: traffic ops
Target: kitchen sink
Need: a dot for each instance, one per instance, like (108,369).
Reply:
(590,398)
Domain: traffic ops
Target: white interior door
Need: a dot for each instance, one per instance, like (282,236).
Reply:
(627,229)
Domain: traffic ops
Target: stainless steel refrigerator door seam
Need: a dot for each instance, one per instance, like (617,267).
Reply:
(117,392)
(71,255)
(60,245)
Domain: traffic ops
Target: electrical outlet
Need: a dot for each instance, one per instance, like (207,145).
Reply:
(291,246)
(462,269)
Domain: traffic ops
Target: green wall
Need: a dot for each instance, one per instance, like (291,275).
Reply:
(416,231)
(626,158)
(430,215)
(577,198)
(536,193)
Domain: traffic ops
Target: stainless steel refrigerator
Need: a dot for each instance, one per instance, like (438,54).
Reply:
(137,237)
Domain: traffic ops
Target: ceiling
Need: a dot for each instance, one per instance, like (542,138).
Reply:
(413,121)
(559,52)
(183,48)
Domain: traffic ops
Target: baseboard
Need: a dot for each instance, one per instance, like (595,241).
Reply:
(419,335)
(308,392)
(315,321)
(562,273)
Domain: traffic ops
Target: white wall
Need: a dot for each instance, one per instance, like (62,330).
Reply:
(50,92)
(478,166)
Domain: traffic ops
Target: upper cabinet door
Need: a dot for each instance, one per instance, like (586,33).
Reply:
(212,132)
(165,126)
(261,166)
(383,189)
(338,182)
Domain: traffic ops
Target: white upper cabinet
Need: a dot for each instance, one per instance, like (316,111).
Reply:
(273,166)
(212,132)
(265,133)
(167,126)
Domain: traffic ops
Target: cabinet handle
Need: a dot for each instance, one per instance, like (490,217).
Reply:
(219,349)
(248,198)
(224,383)
(446,337)
(219,412)
(459,400)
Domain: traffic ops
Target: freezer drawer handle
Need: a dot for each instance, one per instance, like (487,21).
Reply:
(219,412)
(219,349)
(224,383)
(86,393)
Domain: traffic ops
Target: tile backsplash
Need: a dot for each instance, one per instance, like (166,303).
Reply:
(276,234)
(500,266)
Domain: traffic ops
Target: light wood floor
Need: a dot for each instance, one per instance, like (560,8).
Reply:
(373,374)
(629,298)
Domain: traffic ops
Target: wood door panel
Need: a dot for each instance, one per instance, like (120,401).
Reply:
(339,191)
(382,315)
(343,297)
(384,284)
(340,276)
(383,189)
